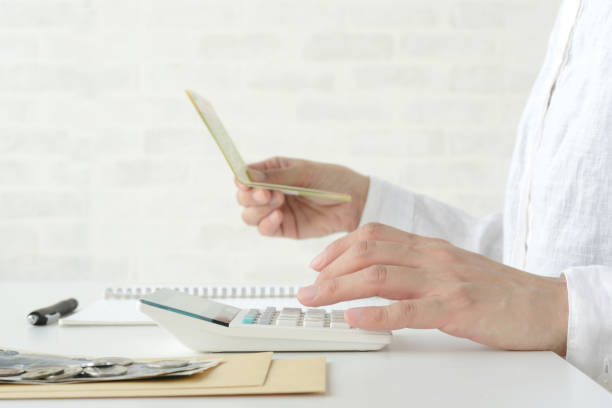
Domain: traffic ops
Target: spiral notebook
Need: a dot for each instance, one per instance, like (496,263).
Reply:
(120,305)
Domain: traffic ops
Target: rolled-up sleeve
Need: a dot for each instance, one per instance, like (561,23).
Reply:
(400,208)
(589,331)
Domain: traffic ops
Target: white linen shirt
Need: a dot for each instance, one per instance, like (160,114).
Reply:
(558,209)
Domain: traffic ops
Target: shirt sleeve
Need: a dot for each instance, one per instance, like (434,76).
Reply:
(400,208)
(589,329)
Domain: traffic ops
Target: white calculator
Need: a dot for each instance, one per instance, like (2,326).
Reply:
(208,326)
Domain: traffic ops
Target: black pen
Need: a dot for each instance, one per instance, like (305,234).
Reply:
(52,313)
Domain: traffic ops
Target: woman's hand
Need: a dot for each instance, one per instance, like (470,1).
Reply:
(439,286)
(277,214)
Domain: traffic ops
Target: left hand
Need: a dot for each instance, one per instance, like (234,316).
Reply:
(438,285)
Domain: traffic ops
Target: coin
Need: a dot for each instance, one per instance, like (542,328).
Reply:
(40,373)
(69,372)
(10,371)
(112,371)
(168,364)
(108,361)
(117,360)
(198,367)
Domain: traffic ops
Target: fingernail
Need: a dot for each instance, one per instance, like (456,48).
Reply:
(317,261)
(261,196)
(308,293)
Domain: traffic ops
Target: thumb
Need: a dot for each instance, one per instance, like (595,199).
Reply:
(291,176)
(256,175)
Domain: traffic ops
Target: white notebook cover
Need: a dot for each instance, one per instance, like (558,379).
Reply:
(109,312)
(121,305)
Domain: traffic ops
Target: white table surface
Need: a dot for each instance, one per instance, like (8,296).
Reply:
(420,368)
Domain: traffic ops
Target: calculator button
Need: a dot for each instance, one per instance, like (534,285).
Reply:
(339,325)
(291,317)
(288,318)
(248,319)
(265,321)
(291,311)
(314,323)
(267,316)
(286,322)
(315,312)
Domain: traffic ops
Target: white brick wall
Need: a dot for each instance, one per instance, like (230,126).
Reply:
(107,174)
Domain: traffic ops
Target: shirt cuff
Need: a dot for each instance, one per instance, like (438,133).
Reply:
(388,204)
(589,329)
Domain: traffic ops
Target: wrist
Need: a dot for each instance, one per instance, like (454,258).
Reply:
(359,196)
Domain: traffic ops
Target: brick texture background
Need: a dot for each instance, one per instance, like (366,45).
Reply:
(107,174)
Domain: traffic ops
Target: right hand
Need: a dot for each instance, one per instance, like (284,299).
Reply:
(292,216)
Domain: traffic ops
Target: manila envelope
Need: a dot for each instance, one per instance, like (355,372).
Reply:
(238,374)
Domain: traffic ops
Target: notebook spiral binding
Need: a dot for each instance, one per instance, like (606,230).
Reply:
(212,292)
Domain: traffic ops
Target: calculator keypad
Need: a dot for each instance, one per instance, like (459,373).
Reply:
(337,320)
(296,317)
(250,316)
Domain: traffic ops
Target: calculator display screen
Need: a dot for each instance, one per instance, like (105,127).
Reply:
(192,306)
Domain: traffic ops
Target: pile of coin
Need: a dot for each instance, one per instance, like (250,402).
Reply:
(16,368)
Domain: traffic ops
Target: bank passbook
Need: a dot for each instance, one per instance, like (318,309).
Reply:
(235,161)
(204,325)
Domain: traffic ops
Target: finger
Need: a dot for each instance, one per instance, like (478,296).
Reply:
(262,195)
(256,175)
(254,215)
(388,281)
(372,231)
(423,313)
(363,254)
(271,225)
(281,170)
(271,163)
(258,197)
(241,186)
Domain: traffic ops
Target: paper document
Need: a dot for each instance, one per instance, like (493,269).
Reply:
(235,161)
